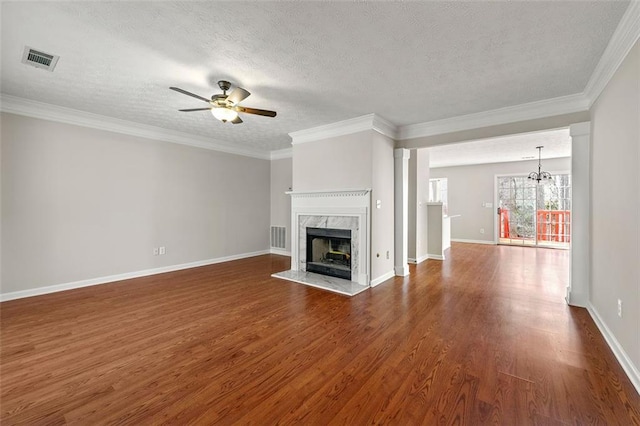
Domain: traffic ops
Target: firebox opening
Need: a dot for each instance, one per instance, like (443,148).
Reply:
(329,252)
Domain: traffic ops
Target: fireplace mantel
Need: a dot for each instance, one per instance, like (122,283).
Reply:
(320,194)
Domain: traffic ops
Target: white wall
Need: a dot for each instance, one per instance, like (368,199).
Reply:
(341,162)
(470,186)
(418,197)
(615,206)
(382,228)
(362,160)
(281,182)
(81,203)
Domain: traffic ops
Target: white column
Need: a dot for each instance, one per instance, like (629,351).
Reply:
(401,210)
(579,270)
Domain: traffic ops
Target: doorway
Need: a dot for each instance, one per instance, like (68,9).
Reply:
(533,214)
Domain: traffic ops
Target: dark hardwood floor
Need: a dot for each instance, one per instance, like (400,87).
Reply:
(483,338)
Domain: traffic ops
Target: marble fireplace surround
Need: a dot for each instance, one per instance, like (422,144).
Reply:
(338,210)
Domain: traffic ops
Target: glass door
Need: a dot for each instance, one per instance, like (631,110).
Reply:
(532,214)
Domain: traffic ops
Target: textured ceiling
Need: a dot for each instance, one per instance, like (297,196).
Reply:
(556,143)
(315,63)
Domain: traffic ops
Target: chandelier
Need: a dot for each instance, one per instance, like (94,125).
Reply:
(540,176)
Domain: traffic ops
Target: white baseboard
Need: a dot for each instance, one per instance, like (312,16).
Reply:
(418,260)
(435,256)
(119,277)
(460,240)
(280,252)
(383,278)
(401,271)
(618,351)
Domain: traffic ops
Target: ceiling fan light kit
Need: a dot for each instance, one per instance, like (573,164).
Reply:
(224,114)
(225,107)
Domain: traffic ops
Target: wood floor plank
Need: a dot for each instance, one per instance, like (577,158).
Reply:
(482,338)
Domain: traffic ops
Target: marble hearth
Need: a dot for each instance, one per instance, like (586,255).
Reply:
(347,210)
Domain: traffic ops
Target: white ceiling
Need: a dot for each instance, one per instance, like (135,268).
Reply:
(556,143)
(315,63)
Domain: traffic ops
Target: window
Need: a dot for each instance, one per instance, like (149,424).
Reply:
(438,192)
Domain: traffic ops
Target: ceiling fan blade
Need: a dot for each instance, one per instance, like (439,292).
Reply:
(194,109)
(237,95)
(256,111)
(237,120)
(184,92)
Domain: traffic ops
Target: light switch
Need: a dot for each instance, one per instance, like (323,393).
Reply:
(378,204)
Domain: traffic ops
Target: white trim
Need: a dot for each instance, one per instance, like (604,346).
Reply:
(126,276)
(281,153)
(529,111)
(401,271)
(625,361)
(323,193)
(418,260)
(280,252)
(14,105)
(462,240)
(345,127)
(384,127)
(496,216)
(623,39)
(435,257)
(382,278)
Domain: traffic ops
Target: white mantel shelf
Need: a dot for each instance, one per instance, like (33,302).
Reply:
(343,193)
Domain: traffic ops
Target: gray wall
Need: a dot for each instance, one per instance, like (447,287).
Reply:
(418,197)
(362,160)
(615,203)
(382,225)
(281,182)
(470,186)
(341,162)
(81,203)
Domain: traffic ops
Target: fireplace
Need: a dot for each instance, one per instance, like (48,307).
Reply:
(329,252)
(338,216)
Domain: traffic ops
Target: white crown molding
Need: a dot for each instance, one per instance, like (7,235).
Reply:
(346,127)
(529,111)
(623,39)
(281,153)
(384,127)
(29,108)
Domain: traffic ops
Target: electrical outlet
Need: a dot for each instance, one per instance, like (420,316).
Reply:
(482,230)
(163,251)
(620,308)
(155,251)
(387,254)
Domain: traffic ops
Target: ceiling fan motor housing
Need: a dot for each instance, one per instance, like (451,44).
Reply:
(219,100)
(224,85)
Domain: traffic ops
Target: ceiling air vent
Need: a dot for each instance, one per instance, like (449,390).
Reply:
(39,59)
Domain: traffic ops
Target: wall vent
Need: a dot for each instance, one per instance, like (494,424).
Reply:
(278,237)
(39,59)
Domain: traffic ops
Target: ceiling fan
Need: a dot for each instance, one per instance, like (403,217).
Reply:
(225,107)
